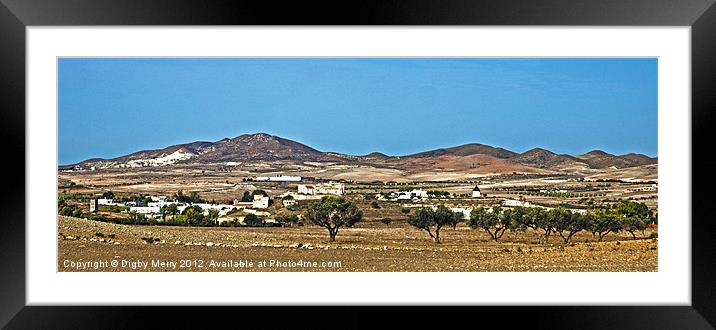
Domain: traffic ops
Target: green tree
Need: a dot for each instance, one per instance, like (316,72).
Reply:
(259,192)
(289,219)
(194,215)
(69,210)
(426,218)
(169,209)
(194,197)
(332,213)
(252,220)
(108,194)
(137,218)
(567,224)
(247,197)
(491,221)
(213,215)
(605,221)
(514,218)
(634,216)
(375,205)
(633,224)
(540,220)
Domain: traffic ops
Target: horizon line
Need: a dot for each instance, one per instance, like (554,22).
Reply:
(374,151)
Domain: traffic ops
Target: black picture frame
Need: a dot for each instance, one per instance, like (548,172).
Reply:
(700,15)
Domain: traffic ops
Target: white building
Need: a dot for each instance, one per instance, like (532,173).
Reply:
(407,195)
(260,202)
(514,202)
(279,178)
(205,207)
(418,193)
(105,201)
(93,205)
(331,188)
(243,205)
(476,192)
(145,209)
(404,195)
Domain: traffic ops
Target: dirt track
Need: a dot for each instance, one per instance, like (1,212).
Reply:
(86,245)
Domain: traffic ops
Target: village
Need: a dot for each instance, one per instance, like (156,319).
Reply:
(264,217)
(275,196)
(504,221)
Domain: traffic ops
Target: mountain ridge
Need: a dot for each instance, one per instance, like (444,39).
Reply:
(266,147)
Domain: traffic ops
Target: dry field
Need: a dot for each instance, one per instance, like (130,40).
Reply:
(86,245)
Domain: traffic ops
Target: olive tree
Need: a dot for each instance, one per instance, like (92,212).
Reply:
(605,221)
(490,220)
(567,224)
(538,219)
(332,213)
(432,220)
(634,216)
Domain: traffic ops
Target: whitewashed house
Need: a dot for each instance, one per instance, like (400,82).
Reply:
(415,193)
(476,192)
(260,202)
(145,209)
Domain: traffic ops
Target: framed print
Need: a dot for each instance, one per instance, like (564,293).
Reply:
(510,155)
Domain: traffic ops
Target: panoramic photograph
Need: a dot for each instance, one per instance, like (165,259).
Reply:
(357,165)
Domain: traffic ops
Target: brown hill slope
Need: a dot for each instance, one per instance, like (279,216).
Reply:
(467,150)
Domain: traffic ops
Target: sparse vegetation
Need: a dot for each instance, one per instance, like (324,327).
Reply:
(425,218)
(289,220)
(333,213)
(630,216)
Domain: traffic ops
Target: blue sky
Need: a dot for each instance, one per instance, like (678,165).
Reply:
(111,107)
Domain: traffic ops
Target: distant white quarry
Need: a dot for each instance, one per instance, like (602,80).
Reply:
(160,161)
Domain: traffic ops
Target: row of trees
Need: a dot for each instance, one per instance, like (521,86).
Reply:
(193,197)
(334,213)
(629,216)
(562,194)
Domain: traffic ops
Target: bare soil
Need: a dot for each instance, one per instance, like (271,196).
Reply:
(86,245)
